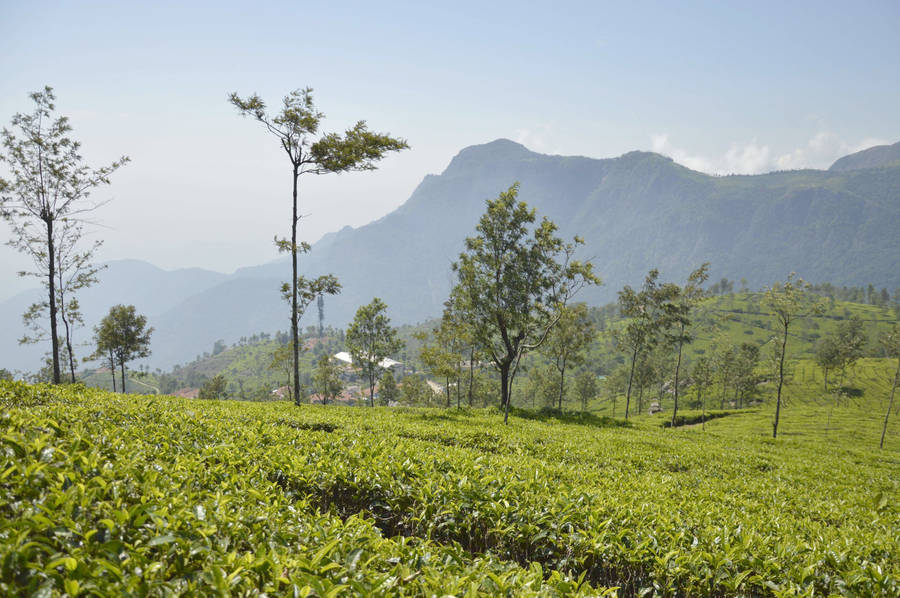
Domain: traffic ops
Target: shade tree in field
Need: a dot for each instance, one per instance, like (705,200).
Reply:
(644,317)
(513,279)
(702,375)
(388,391)
(789,301)
(585,387)
(370,339)
(890,342)
(214,388)
(677,319)
(567,342)
(45,198)
(122,335)
(74,271)
(300,295)
(296,128)
(326,379)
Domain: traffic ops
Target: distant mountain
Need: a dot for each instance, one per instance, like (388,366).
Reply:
(150,289)
(635,212)
(874,157)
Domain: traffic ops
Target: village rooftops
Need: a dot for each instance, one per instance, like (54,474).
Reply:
(386,363)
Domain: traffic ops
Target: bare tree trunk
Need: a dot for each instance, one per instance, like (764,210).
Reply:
(122,366)
(112,368)
(471,372)
(295,333)
(640,398)
(630,378)
(826,379)
(702,406)
(65,321)
(677,369)
(890,405)
(54,339)
(562,384)
(447,389)
(780,383)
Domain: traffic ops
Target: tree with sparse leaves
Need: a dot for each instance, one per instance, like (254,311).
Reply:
(370,339)
(643,310)
(214,388)
(789,301)
(514,278)
(44,200)
(678,306)
(567,342)
(890,341)
(327,379)
(388,390)
(296,127)
(122,333)
(585,387)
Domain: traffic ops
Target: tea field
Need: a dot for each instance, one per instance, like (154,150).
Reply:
(104,494)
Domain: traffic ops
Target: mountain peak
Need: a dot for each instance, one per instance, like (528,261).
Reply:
(499,150)
(874,157)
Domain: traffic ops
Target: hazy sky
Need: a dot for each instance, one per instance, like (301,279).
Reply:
(719,86)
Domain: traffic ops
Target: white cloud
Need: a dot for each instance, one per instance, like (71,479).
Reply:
(753,158)
(535,139)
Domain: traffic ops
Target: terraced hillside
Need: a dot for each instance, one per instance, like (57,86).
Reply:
(112,494)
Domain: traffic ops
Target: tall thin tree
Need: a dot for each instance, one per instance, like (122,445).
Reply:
(48,185)
(296,127)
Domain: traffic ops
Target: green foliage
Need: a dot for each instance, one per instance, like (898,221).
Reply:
(113,495)
(45,202)
(214,388)
(371,338)
(326,379)
(514,277)
(388,392)
(296,127)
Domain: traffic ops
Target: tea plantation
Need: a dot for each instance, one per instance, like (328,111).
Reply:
(104,494)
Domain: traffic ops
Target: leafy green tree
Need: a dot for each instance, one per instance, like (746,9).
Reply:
(5,374)
(567,342)
(643,310)
(45,199)
(124,334)
(890,341)
(851,341)
(441,360)
(214,388)
(326,379)
(296,127)
(370,339)
(744,371)
(461,336)
(679,303)
(828,356)
(415,390)
(702,374)
(281,361)
(514,278)
(789,301)
(585,387)
(388,391)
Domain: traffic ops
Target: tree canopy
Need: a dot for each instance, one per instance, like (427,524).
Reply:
(514,278)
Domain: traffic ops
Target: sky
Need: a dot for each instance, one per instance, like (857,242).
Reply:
(721,87)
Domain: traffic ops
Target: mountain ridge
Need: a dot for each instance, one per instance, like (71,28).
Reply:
(636,211)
